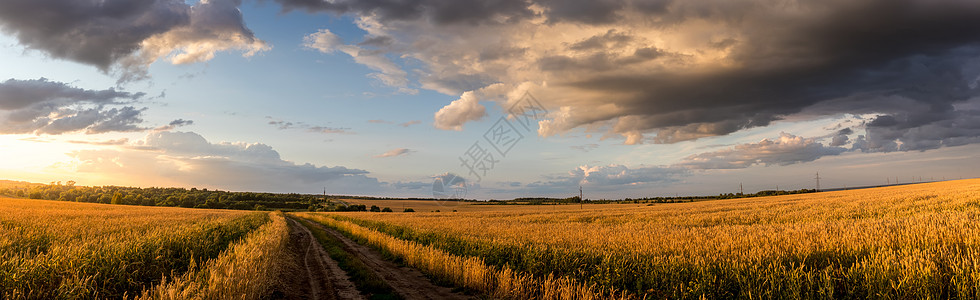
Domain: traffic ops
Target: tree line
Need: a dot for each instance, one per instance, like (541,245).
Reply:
(174,197)
(577,200)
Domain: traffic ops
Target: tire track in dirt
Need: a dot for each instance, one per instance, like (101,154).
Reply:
(406,281)
(325,278)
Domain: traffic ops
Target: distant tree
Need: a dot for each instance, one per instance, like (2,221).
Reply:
(409,210)
(144,201)
(188,201)
(259,207)
(386,209)
(171,201)
(375,208)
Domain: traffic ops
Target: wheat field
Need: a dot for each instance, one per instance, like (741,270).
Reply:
(914,241)
(66,250)
(904,242)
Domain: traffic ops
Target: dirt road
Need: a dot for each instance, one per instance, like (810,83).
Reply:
(319,276)
(406,281)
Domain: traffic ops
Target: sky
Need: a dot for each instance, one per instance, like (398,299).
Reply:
(509,98)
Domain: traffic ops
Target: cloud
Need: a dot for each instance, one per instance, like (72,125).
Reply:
(412,185)
(453,116)
(388,72)
(41,106)
(395,152)
(128,36)
(188,159)
(438,12)
(841,138)
(281,125)
(612,176)
(410,123)
(116,142)
(919,130)
(671,71)
(174,124)
(586,147)
(322,129)
(787,149)
(19,94)
(284,125)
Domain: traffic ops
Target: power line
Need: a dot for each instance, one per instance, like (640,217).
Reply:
(818,180)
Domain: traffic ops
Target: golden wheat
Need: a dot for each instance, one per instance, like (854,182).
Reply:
(51,249)
(248,270)
(917,241)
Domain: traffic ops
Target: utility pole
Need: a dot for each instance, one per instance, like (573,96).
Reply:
(818,181)
(580,197)
(888,180)
(740,191)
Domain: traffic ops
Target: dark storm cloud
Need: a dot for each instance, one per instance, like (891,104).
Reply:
(595,62)
(93,32)
(445,12)
(582,11)
(668,71)
(436,11)
(921,130)
(46,107)
(114,33)
(873,49)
